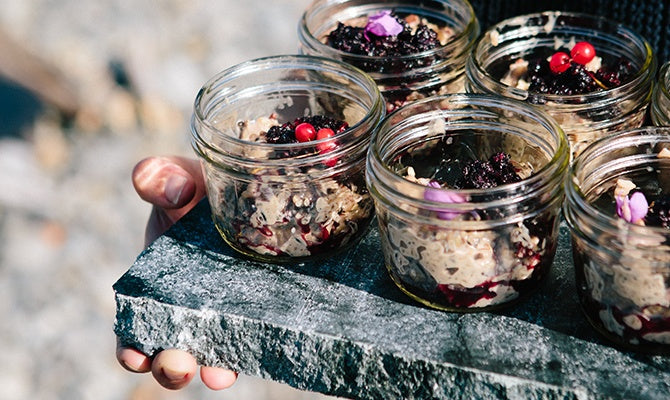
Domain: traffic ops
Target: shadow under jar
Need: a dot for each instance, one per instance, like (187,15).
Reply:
(287,200)
(618,210)
(468,190)
(512,59)
(415,73)
(660,109)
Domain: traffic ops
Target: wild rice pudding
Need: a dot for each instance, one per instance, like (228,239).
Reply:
(390,38)
(290,218)
(593,75)
(573,68)
(469,268)
(630,298)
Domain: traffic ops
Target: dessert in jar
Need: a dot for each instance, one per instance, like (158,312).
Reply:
(411,49)
(660,109)
(467,191)
(282,143)
(593,75)
(618,210)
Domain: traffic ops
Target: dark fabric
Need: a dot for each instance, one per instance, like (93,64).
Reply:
(650,18)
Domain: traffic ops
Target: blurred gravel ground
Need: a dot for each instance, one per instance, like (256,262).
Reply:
(70,222)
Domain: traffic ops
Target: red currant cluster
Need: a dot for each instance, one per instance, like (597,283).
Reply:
(581,53)
(305,132)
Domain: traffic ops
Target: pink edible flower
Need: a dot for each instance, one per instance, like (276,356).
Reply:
(382,24)
(633,209)
(443,196)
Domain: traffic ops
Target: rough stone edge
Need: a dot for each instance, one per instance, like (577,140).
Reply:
(312,361)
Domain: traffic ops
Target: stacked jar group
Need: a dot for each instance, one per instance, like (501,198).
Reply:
(411,118)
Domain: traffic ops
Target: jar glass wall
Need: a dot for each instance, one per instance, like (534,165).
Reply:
(660,110)
(464,249)
(503,58)
(286,201)
(618,210)
(405,78)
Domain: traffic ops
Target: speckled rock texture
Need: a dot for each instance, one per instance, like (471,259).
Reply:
(340,327)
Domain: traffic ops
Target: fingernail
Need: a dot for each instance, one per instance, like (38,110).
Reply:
(174,376)
(174,187)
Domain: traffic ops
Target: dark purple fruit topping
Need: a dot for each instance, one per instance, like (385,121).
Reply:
(659,212)
(574,78)
(286,133)
(356,40)
(353,40)
(496,171)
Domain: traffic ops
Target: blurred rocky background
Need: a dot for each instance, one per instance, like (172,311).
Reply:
(87,89)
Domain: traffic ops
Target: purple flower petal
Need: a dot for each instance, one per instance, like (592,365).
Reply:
(383,24)
(632,209)
(638,207)
(443,196)
(621,204)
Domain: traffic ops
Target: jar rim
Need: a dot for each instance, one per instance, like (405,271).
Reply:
(645,72)
(373,114)
(664,79)
(552,171)
(575,196)
(471,30)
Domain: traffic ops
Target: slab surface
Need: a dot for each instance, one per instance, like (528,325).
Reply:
(341,327)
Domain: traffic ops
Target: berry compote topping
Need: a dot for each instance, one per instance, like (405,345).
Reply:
(659,212)
(496,171)
(565,74)
(389,42)
(303,129)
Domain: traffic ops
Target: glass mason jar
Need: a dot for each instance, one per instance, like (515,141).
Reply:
(622,267)
(660,109)
(293,201)
(406,78)
(467,249)
(584,117)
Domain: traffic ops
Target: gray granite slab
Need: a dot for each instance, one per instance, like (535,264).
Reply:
(340,327)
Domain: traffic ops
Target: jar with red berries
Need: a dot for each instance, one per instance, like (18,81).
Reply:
(593,75)
(282,142)
(468,190)
(411,49)
(618,209)
(660,109)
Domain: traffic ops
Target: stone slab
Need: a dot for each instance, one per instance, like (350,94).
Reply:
(342,328)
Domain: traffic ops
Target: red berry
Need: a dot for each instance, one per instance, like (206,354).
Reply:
(305,132)
(331,162)
(583,52)
(326,146)
(559,63)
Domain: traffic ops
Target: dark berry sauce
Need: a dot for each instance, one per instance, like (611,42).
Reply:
(354,40)
(495,171)
(285,133)
(576,79)
(460,298)
(659,212)
(608,310)
(453,163)
(596,311)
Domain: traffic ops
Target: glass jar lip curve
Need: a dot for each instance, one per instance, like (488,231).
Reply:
(471,30)
(645,72)
(287,61)
(664,80)
(575,196)
(557,165)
